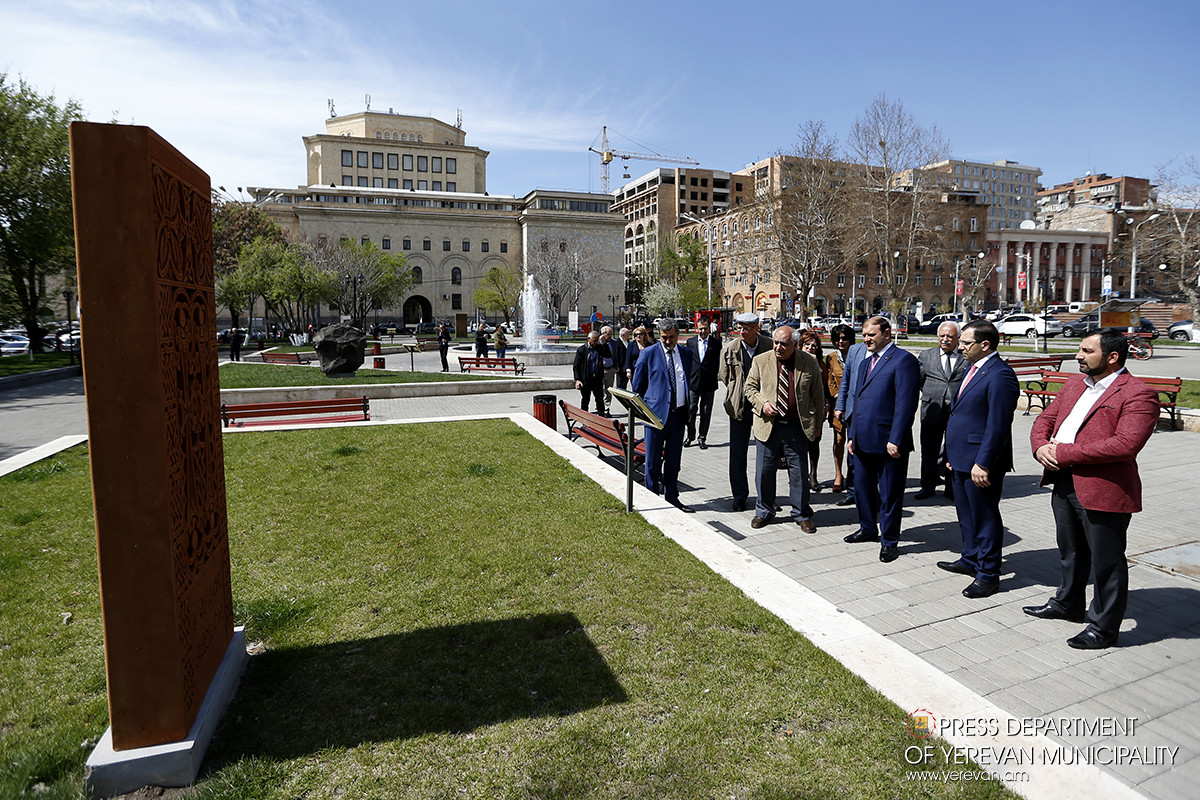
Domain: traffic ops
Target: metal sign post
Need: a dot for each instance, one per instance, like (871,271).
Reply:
(637,410)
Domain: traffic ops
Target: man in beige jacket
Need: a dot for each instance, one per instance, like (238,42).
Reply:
(788,396)
(736,356)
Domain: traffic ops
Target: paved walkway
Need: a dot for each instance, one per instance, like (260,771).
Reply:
(1149,685)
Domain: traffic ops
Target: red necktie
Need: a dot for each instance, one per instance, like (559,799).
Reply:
(967,380)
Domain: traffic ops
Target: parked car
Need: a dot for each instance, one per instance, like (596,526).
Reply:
(1082,326)
(1182,331)
(1029,325)
(427,329)
(932,324)
(11,345)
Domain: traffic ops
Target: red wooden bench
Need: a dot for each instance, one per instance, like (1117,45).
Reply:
(336,409)
(603,433)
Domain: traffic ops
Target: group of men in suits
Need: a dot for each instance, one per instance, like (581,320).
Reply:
(1087,441)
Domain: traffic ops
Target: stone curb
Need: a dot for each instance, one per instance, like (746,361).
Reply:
(41,376)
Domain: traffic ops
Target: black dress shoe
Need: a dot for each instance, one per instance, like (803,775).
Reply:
(924,494)
(979,588)
(758,522)
(1091,640)
(888,553)
(861,536)
(957,567)
(848,500)
(739,505)
(703,445)
(687,442)
(683,508)
(1051,611)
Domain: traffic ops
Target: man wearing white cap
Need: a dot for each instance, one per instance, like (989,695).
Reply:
(736,358)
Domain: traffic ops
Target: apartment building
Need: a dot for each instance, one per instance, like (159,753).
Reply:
(1008,188)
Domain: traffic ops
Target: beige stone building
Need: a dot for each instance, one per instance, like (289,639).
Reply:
(413,187)
(1009,189)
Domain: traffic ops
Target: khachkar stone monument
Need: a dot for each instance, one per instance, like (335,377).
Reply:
(143,233)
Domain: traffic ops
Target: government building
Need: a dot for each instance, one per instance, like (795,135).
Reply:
(412,186)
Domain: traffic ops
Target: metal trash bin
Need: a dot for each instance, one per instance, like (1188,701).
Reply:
(378,348)
(379,363)
(545,409)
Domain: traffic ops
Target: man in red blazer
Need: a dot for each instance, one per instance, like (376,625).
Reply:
(1088,440)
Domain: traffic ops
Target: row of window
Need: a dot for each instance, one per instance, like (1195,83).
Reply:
(400,137)
(991,172)
(427,244)
(396,183)
(396,161)
(455,276)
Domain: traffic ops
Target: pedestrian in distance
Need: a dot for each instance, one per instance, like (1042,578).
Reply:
(979,453)
(620,348)
(443,344)
(880,437)
(736,358)
(1087,441)
(235,345)
(641,340)
(481,340)
(501,341)
(841,337)
(942,371)
(608,355)
(588,369)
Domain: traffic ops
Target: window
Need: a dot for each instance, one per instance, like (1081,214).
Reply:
(407,184)
(445,245)
(386,244)
(377,183)
(974,224)
(408,162)
(937,280)
(456,276)
(483,246)
(437,164)
(437,186)
(919,277)
(406,243)
(422,186)
(456,301)
(451,186)
(362,180)
(504,247)
(393,183)
(422,163)
(416,273)
(393,161)
(347,158)
(452,166)
(862,281)
(466,245)
(362,158)
(347,180)
(426,245)
(377,160)
(364,241)
(841,280)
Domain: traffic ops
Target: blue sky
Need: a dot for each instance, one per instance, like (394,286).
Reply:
(1066,86)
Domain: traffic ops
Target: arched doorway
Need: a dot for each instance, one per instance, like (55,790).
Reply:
(417,309)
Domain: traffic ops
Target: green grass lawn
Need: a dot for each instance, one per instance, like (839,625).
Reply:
(19,365)
(446,610)
(243,375)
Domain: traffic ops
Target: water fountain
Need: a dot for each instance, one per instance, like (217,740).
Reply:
(535,350)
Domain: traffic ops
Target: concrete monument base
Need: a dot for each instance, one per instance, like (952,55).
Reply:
(111,772)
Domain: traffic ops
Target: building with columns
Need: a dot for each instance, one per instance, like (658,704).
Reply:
(1059,266)
(412,186)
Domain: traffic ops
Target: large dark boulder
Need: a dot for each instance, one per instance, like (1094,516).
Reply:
(341,349)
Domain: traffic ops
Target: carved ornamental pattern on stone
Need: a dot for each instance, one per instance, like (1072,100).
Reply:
(191,392)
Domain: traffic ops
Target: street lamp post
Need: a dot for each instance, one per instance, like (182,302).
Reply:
(353,281)
(1133,267)
(712,233)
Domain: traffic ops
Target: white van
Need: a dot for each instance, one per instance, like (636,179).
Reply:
(1081,307)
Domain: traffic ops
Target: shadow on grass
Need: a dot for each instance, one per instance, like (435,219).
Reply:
(296,701)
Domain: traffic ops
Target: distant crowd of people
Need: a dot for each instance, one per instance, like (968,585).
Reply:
(783,391)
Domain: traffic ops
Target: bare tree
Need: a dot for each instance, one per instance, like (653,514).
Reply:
(360,277)
(499,290)
(563,265)
(1175,236)
(805,212)
(893,217)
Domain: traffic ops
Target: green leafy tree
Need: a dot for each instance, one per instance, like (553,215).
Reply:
(500,290)
(37,238)
(687,269)
(360,277)
(236,225)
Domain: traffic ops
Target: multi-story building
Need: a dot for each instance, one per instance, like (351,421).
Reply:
(1054,266)
(1093,190)
(655,202)
(1009,189)
(412,185)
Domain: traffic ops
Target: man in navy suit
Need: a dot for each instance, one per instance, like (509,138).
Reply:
(706,362)
(880,437)
(843,408)
(661,377)
(979,452)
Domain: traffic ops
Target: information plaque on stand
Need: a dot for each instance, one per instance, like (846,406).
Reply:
(638,410)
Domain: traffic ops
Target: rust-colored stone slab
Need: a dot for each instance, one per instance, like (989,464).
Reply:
(143,233)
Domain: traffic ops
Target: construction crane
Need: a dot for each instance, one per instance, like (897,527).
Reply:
(607,155)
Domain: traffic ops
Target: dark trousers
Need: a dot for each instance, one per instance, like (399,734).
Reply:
(879,493)
(700,404)
(739,443)
(933,454)
(789,442)
(593,387)
(443,351)
(1091,545)
(979,520)
(664,453)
